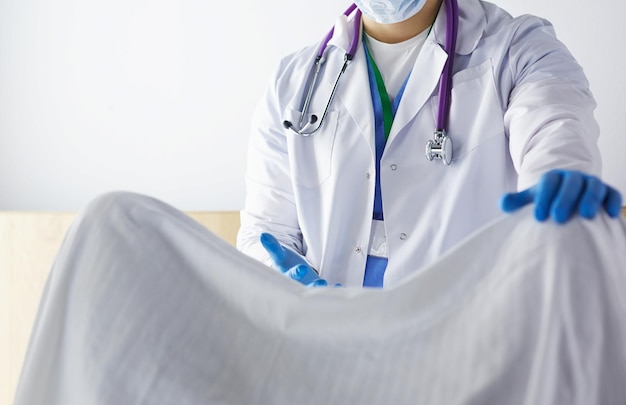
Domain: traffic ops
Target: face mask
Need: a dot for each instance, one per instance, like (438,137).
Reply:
(390,11)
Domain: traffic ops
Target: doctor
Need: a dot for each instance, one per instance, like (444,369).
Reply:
(357,202)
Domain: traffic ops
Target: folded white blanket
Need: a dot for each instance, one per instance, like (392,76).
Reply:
(145,306)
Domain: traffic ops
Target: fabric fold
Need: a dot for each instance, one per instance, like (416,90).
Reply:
(144,305)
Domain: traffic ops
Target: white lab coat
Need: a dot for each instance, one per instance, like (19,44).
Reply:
(521,105)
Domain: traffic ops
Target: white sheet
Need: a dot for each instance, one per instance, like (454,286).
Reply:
(145,306)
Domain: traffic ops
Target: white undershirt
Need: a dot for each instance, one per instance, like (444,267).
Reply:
(395,61)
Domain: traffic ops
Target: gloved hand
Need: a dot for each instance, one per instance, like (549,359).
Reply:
(291,263)
(560,193)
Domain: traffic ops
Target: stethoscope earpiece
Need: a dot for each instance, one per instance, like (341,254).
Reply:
(303,132)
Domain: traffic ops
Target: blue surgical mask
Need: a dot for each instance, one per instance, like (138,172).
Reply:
(390,11)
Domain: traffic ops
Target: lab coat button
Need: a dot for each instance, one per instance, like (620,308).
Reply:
(403,236)
(394,167)
(358,249)
(367,175)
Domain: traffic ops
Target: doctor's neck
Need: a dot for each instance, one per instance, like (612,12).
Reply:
(407,29)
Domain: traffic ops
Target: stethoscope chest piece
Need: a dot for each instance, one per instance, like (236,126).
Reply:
(440,148)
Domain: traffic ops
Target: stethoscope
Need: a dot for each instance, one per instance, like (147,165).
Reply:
(438,148)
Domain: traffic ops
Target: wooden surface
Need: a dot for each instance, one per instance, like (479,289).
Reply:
(28,244)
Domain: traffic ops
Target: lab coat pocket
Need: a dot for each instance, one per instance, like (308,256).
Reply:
(476,114)
(310,157)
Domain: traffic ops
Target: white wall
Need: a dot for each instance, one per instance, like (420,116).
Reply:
(155,96)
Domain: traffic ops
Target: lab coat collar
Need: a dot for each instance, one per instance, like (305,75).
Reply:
(422,83)
(429,65)
(472,23)
(425,74)
(356,97)
(343,33)
(354,91)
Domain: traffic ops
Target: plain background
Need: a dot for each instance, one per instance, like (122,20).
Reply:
(155,96)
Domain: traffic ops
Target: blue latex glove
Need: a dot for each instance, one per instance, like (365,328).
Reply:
(559,194)
(291,263)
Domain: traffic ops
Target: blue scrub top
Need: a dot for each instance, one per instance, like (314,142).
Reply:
(375,266)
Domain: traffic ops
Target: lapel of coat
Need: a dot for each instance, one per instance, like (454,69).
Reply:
(353,91)
(426,73)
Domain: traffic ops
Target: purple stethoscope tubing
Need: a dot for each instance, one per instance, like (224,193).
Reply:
(445,85)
